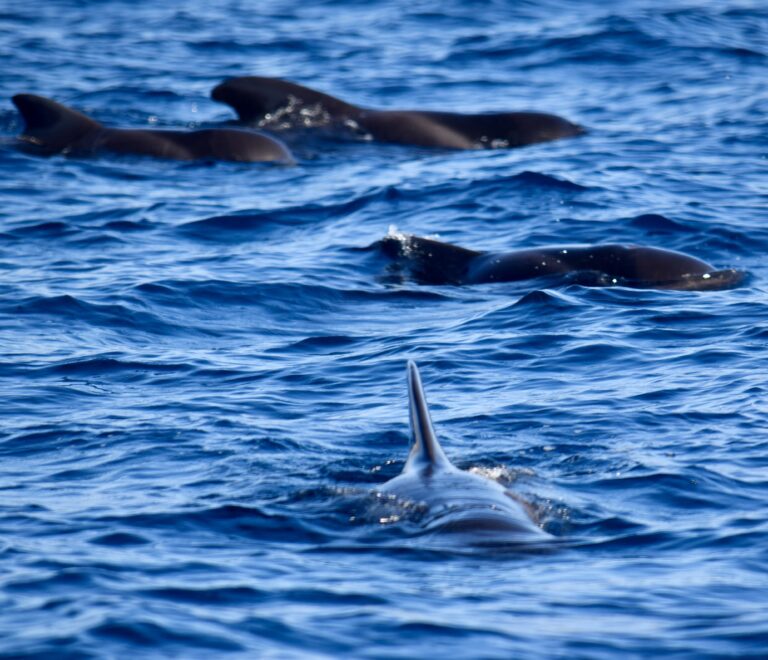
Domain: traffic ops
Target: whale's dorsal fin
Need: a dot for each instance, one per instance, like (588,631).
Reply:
(425,447)
(51,126)
(255,97)
(430,261)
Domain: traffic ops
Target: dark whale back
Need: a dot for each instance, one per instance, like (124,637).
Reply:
(213,144)
(466,131)
(509,129)
(50,126)
(54,128)
(433,262)
(271,101)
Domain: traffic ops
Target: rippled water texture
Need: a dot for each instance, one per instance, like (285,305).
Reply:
(203,374)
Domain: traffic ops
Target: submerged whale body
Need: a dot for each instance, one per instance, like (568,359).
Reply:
(53,128)
(455,500)
(433,262)
(279,103)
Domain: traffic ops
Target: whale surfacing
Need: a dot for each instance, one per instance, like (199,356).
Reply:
(275,103)
(640,267)
(455,501)
(53,128)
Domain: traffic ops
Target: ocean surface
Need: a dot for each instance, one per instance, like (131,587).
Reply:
(202,369)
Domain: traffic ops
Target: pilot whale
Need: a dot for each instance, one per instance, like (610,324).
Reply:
(433,262)
(455,501)
(279,103)
(53,128)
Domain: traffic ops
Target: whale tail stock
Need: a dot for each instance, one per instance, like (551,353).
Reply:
(50,126)
(426,451)
(429,261)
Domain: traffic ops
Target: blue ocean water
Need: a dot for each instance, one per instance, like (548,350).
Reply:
(203,374)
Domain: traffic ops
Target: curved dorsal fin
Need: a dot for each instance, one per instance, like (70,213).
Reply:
(425,447)
(51,126)
(254,97)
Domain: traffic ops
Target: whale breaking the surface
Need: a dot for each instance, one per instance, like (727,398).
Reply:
(453,500)
(53,128)
(279,104)
(641,267)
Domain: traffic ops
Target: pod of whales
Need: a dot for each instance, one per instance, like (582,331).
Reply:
(433,262)
(53,128)
(274,103)
(455,500)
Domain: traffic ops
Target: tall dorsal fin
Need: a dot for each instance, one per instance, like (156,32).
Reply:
(51,126)
(425,447)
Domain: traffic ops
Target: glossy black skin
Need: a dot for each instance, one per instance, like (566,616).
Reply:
(632,263)
(433,262)
(257,100)
(53,128)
